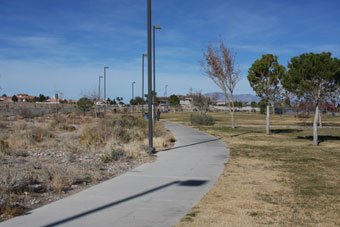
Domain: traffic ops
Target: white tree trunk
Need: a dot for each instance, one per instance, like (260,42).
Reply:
(320,120)
(268,120)
(232,119)
(315,126)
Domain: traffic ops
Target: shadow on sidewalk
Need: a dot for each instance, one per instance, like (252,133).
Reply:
(193,144)
(188,183)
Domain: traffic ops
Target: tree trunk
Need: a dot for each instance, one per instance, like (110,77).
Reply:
(320,120)
(315,126)
(232,119)
(268,120)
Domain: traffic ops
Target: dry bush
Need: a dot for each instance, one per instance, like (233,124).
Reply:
(115,153)
(159,130)
(38,134)
(4,147)
(61,178)
(3,125)
(119,128)
(201,119)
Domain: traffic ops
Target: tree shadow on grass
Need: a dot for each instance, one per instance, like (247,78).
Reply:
(277,131)
(320,138)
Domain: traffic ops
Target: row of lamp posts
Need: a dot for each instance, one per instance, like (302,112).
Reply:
(151,91)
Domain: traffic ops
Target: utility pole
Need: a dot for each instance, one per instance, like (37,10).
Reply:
(149,77)
(143,83)
(105,68)
(154,68)
(166,92)
(100,77)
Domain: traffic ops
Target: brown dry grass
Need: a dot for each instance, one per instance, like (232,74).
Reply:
(44,158)
(275,180)
(242,118)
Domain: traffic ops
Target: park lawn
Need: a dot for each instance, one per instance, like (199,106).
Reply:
(276,180)
(244,119)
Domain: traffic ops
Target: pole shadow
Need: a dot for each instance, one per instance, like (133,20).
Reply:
(193,144)
(188,183)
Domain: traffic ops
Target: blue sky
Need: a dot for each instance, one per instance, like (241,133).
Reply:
(63,45)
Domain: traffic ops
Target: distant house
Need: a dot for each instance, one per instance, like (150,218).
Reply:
(163,100)
(52,100)
(24,97)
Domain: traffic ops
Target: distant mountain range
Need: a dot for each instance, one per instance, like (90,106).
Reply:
(241,97)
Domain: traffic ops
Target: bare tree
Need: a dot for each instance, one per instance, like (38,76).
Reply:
(199,100)
(219,64)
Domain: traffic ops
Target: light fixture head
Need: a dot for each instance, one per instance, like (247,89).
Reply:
(157,26)
(106,67)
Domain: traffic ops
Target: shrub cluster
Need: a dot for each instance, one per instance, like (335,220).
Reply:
(121,128)
(201,119)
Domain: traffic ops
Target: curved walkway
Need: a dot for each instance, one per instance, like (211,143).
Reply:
(154,194)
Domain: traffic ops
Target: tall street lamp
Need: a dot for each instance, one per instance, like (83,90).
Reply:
(100,77)
(105,68)
(149,76)
(144,55)
(166,91)
(133,89)
(154,64)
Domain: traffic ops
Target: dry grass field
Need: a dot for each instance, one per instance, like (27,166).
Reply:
(44,158)
(256,119)
(272,180)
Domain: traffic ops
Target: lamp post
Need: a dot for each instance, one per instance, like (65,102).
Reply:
(105,68)
(143,83)
(100,77)
(149,76)
(166,92)
(154,66)
(133,89)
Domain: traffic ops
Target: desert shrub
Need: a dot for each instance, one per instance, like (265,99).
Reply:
(89,137)
(61,178)
(159,130)
(201,119)
(4,147)
(115,154)
(3,125)
(25,112)
(38,134)
(120,128)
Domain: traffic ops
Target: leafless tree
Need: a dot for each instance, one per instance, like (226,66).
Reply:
(219,64)
(199,100)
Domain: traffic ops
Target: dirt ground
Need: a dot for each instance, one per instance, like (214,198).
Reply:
(45,158)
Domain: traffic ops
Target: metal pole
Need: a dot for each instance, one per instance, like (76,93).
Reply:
(166,92)
(143,85)
(100,77)
(105,87)
(154,67)
(154,75)
(154,61)
(133,96)
(56,99)
(143,82)
(149,76)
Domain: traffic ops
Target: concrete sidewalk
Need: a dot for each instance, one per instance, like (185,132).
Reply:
(154,194)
